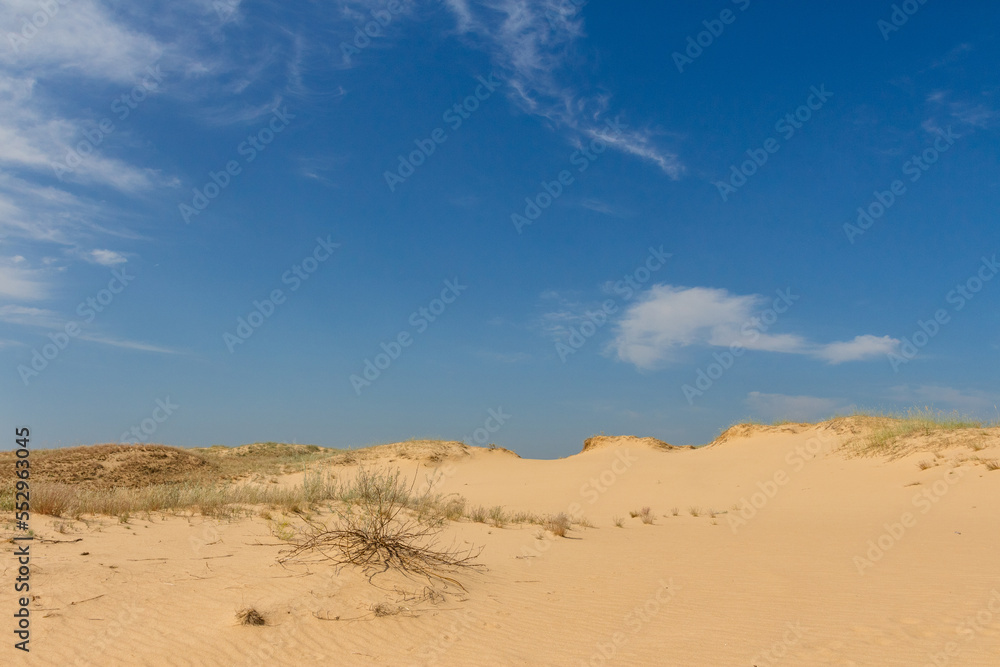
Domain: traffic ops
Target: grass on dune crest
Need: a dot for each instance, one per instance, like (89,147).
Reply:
(889,433)
(895,433)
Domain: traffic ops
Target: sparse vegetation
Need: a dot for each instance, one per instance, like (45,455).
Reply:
(497,516)
(645,515)
(992,464)
(381,609)
(694,511)
(674,511)
(378,531)
(250,616)
(619,522)
(558,524)
(925,464)
(889,432)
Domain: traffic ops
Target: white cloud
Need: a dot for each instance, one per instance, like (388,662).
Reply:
(82,38)
(861,348)
(532,44)
(667,318)
(21,283)
(794,408)
(106,257)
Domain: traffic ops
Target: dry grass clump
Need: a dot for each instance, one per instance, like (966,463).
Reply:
(645,515)
(250,616)
(497,516)
(694,511)
(377,531)
(992,464)
(558,524)
(619,522)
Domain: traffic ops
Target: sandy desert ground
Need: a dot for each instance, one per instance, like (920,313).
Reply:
(773,545)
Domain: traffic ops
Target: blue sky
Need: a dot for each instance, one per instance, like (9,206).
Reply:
(359,222)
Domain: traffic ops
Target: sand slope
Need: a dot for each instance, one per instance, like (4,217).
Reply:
(794,575)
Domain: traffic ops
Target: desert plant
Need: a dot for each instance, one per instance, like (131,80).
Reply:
(646,515)
(619,522)
(992,464)
(674,511)
(379,533)
(694,511)
(497,516)
(558,524)
(250,616)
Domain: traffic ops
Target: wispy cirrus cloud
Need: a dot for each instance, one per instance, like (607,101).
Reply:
(42,318)
(534,45)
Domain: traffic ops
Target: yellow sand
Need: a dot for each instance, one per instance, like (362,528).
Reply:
(785,579)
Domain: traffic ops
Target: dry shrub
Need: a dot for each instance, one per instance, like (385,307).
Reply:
(497,516)
(51,499)
(377,532)
(558,524)
(646,515)
(619,522)
(250,616)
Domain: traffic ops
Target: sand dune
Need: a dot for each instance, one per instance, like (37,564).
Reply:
(772,545)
